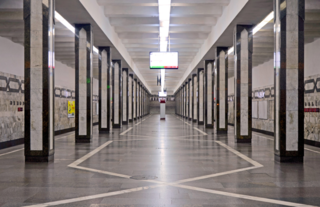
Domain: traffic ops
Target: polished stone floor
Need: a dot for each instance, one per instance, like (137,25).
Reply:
(160,163)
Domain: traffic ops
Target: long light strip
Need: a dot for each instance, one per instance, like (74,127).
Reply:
(257,28)
(164,21)
(70,27)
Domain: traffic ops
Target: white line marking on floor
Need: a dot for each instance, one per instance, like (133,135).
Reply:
(214,175)
(85,198)
(8,153)
(102,172)
(241,196)
(187,123)
(200,131)
(254,163)
(123,133)
(90,154)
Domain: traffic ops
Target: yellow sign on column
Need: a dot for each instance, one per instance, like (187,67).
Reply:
(71,109)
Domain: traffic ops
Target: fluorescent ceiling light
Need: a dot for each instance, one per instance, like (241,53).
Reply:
(263,23)
(257,28)
(164,20)
(230,50)
(70,27)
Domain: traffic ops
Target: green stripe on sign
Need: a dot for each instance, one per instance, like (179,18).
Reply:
(157,67)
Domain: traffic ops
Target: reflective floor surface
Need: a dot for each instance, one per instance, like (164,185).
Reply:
(160,163)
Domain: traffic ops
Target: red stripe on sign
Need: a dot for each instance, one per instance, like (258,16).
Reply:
(311,110)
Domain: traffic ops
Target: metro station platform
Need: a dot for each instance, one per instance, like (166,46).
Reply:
(156,163)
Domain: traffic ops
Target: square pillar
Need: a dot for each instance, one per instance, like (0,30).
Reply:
(208,93)
(222,90)
(131,102)
(117,93)
(138,100)
(84,82)
(187,99)
(135,99)
(200,96)
(104,89)
(125,102)
(190,99)
(289,80)
(39,80)
(195,98)
(243,46)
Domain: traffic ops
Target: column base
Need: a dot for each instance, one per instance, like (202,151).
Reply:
(243,140)
(200,123)
(49,158)
(124,123)
(83,140)
(135,119)
(195,121)
(190,119)
(280,159)
(116,126)
(104,131)
(130,121)
(209,126)
(222,132)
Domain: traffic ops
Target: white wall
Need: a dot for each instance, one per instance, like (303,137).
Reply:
(263,75)
(12,61)
(312,58)
(11,57)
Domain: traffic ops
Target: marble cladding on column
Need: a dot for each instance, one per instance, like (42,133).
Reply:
(187,99)
(84,79)
(125,87)
(117,93)
(130,98)
(222,89)
(138,99)
(243,43)
(289,80)
(135,99)
(39,80)
(201,96)
(195,97)
(208,93)
(104,89)
(190,99)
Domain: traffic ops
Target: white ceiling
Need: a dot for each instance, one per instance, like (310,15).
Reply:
(137,24)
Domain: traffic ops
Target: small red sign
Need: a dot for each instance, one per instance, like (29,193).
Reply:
(311,110)
(20,109)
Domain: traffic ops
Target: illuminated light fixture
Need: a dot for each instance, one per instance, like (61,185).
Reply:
(263,23)
(257,28)
(70,27)
(164,21)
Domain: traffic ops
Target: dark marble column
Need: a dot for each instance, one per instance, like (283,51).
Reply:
(138,100)
(222,90)
(195,98)
(243,46)
(289,80)
(187,99)
(208,93)
(200,96)
(125,91)
(39,80)
(131,102)
(190,99)
(104,89)
(84,85)
(135,100)
(117,93)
